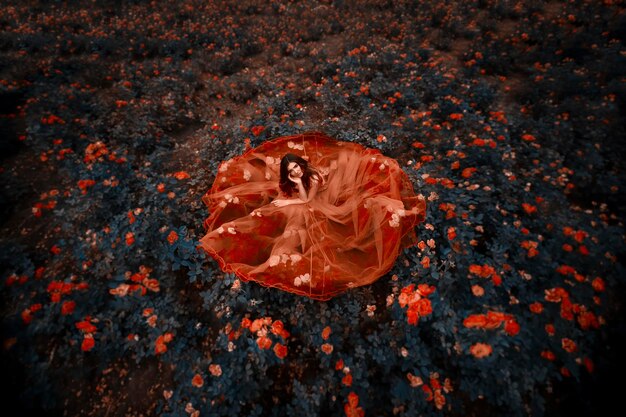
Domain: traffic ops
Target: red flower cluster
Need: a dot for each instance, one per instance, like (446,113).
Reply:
(160,345)
(486,271)
(88,330)
(434,390)
(57,289)
(493,320)
(415,299)
(262,327)
(27,314)
(141,280)
(85,184)
(351,408)
(586,319)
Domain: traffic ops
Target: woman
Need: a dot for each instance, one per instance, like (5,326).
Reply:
(310,215)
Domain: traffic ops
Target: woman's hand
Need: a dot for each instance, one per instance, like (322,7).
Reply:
(296,180)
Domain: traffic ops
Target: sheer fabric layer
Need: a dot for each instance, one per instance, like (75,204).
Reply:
(349,235)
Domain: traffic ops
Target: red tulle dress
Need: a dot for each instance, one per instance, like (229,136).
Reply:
(348,235)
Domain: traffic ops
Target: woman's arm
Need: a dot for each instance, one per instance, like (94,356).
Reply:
(312,191)
(304,196)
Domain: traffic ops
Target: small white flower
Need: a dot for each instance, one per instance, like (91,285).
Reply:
(284,258)
(390,299)
(301,279)
(274,260)
(268,176)
(246,175)
(382,167)
(295,258)
(220,230)
(235,200)
(232,231)
(269,160)
(224,167)
(223,204)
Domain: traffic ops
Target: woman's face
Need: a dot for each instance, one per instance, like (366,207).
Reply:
(295,170)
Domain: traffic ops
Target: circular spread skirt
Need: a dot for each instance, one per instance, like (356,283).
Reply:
(348,235)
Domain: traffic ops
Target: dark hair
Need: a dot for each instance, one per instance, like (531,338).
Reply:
(288,186)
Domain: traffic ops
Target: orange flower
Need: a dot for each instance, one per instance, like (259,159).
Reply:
(587,319)
(352,408)
(478,291)
(88,343)
(327,348)
(264,342)
(84,184)
(512,327)
(475,320)
(68,307)
(480,350)
(451,233)
(339,365)
(280,350)
(151,284)
(569,345)
(549,355)
(215,369)
(347,380)
(536,307)
(245,322)
(425,290)
(550,329)
(456,116)
(580,235)
(424,307)
(130,238)
(326,332)
(172,237)
(160,187)
(256,325)
(197,381)
(257,130)
(277,327)
(181,175)
(528,137)
(556,295)
(598,284)
(529,208)
(467,172)
(425,262)
(85,326)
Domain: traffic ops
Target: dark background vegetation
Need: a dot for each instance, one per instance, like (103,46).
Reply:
(114,116)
